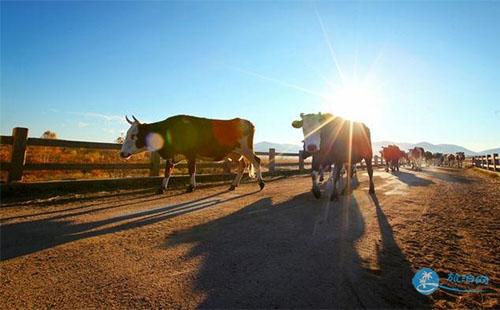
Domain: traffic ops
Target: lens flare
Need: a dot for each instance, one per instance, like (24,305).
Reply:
(154,141)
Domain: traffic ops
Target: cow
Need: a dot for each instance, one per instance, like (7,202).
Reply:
(334,140)
(428,158)
(184,137)
(460,156)
(416,156)
(391,154)
(438,159)
(451,160)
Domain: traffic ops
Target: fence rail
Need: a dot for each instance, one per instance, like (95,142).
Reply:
(489,162)
(20,141)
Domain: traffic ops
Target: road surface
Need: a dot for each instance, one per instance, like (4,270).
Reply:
(278,248)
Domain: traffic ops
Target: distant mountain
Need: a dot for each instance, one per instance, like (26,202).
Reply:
(490,151)
(264,146)
(434,148)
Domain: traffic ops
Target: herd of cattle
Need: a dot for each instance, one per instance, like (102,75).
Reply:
(414,158)
(335,144)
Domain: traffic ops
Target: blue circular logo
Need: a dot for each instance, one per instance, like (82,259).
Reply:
(425,281)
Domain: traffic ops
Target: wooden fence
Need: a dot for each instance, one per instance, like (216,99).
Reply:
(489,162)
(20,141)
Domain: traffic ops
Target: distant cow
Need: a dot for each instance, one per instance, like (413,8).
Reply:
(416,156)
(392,155)
(438,159)
(333,140)
(184,137)
(451,160)
(460,157)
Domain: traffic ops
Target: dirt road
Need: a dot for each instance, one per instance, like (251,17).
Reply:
(279,248)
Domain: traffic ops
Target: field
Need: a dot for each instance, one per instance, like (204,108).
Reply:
(278,248)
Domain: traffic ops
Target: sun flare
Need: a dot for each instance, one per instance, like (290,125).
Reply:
(354,100)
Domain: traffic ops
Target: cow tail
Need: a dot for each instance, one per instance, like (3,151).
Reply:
(250,130)
(251,171)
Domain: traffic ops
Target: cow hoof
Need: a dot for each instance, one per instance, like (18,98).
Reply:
(262,184)
(160,191)
(334,196)
(316,192)
(190,189)
(232,188)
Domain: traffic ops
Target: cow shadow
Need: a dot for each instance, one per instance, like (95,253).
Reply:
(21,238)
(296,254)
(411,179)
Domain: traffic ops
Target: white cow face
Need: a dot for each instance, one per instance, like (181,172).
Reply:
(134,140)
(310,124)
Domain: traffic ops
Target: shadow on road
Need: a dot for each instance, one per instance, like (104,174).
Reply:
(449,177)
(296,254)
(18,239)
(411,179)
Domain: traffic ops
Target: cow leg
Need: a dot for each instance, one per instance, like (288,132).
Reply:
(369,168)
(354,177)
(254,165)
(335,178)
(321,173)
(239,175)
(347,186)
(192,173)
(315,185)
(168,172)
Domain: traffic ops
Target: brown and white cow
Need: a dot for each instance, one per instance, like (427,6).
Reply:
(184,137)
(334,140)
(416,156)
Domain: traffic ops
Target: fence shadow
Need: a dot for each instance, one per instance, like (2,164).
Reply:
(22,238)
(296,254)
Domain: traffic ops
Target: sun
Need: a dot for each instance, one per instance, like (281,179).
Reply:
(355,100)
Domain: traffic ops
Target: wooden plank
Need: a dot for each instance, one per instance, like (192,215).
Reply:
(85,166)
(73,144)
(6,140)
(301,160)
(154,169)
(272,163)
(17,158)
(286,164)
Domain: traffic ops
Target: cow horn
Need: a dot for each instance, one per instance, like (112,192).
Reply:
(128,121)
(135,119)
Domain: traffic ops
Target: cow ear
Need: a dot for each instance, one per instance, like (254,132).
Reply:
(297,124)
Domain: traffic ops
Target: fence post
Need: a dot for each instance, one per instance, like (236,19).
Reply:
(272,162)
(154,167)
(495,161)
(17,157)
(488,162)
(301,160)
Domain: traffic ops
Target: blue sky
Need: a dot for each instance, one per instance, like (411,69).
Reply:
(413,71)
